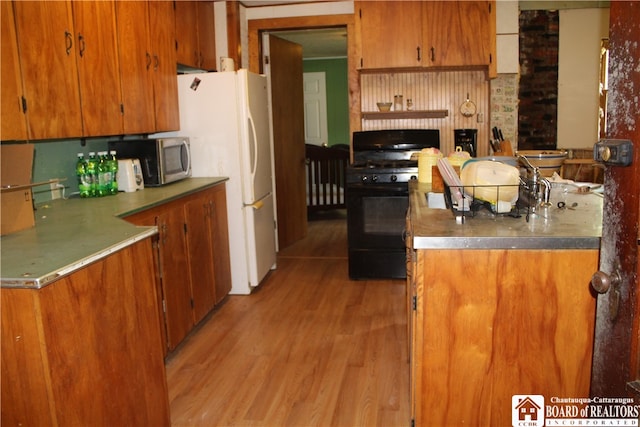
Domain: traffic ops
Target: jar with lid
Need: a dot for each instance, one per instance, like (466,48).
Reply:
(397,103)
(409,104)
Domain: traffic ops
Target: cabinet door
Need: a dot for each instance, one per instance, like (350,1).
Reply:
(98,67)
(220,239)
(49,70)
(174,273)
(199,240)
(187,32)
(132,19)
(165,83)
(457,33)
(13,119)
(391,33)
(206,36)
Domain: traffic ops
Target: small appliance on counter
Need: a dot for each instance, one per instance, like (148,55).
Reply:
(466,139)
(129,175)
(163,160)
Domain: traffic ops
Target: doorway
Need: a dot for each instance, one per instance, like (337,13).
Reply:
(324,52)
(256,28)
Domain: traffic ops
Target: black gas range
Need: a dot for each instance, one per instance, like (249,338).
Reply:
(377,198)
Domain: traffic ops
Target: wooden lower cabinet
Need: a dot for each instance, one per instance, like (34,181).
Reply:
(192,257)
(490,324)
(86,350)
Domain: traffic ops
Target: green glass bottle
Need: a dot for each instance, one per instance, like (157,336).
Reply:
(103,174)
(113,168)
(84,181)
(92,172)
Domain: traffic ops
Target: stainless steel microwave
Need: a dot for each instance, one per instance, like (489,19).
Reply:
(163,160)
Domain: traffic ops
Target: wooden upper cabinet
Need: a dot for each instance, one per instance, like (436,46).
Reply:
(136,61)
(98,67)
(458,33)
(47,49)
(165,84)
(206,36)
(187,32)
(391,33)
(195,34)
(409,34)
(13,118)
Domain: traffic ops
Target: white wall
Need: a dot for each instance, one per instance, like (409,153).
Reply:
(581,31)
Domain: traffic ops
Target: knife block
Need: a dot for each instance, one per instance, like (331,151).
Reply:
(505,148)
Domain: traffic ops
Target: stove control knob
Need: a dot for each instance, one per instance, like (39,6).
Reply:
(364,178)
(374,178)
(393,178)
(413,177)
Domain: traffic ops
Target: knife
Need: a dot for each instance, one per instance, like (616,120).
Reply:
(500,137)
(495,144)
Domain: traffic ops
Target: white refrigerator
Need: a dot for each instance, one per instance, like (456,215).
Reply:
(226,117)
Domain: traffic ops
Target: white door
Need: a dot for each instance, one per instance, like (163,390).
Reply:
(315,109)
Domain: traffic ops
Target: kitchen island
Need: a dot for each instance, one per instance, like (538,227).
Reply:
(499,306)
(82,340)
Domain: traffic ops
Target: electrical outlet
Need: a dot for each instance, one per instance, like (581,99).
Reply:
(56,190)
(480,118)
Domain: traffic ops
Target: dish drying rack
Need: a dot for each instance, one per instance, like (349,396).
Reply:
(463,201)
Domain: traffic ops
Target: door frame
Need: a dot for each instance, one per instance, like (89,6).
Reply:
(616,359)
(257,26)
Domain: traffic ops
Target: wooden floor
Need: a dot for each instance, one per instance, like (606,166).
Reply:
(308,348)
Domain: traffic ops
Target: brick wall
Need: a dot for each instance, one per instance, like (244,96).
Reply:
(538,93)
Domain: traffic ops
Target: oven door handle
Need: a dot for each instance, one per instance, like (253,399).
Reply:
(371,189)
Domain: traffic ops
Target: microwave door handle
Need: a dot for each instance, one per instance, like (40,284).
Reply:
(186,150)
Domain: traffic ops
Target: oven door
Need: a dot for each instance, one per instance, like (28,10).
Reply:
(375,227)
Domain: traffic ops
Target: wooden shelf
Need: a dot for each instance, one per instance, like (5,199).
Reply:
(395,115)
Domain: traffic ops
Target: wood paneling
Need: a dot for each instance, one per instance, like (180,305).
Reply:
(444,90)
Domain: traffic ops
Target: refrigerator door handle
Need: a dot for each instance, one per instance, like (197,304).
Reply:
(254,152)
(257,205)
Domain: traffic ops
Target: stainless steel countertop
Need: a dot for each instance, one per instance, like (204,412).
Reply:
(70,234)
(551,228)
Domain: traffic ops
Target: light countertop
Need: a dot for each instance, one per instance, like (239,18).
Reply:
(70,234)
(577,227)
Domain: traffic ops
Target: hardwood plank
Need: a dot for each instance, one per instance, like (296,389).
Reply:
(308,348)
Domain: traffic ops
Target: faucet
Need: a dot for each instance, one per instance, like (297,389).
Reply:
(538,194)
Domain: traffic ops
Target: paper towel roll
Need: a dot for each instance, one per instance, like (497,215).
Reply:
(227,64)
(426,161)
